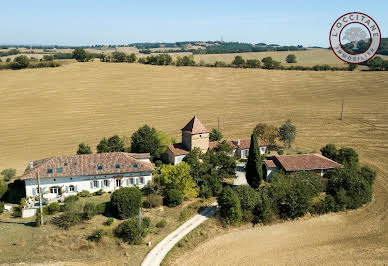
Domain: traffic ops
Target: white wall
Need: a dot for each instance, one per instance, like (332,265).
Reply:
(179,159)
(86,182)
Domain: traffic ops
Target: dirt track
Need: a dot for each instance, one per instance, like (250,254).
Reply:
(356,237)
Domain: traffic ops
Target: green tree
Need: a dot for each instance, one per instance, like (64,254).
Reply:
(287,133)
(8,174)
(119,56)
(223,146)
(131,231)
(368,174)
(291,58)
(8,60)
(254,171)
(132,58)
(3,188)
(249,197)
(126,202)
(84,149)
(20,62)
(348,157)
(113,144)
(266,132)
(145,140)
(252,63)
(329,151)
(230,208)
(267,62)
(164,140)
(185,61)
(238,61)
(48,57)
(178,177)
(215,135)
(81,55)
(174,197)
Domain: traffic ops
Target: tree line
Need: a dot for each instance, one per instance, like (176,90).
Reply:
(22,61)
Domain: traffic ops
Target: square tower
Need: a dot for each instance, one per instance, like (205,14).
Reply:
(195,134)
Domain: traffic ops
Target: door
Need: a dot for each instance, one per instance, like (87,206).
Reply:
(118,183)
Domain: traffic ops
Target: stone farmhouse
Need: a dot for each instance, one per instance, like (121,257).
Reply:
(68,175)
(195,134)
(299,162)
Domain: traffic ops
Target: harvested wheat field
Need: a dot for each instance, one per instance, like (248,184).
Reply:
(47,112)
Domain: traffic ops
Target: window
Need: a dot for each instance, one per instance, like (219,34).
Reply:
(117,165)
(75,163)
(106,183)
(131,181)
(135,165)
(65,164)
(49,170)
(141,180)
(54,190)
(58,170)
(95,183)
(71,188)
(99,167)
(118,182)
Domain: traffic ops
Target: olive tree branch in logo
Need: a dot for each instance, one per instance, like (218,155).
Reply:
(355,35)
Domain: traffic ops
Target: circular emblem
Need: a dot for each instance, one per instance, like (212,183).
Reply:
(355,38)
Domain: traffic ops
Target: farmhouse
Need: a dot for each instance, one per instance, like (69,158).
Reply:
(68,175)
(299,162)
(195,134)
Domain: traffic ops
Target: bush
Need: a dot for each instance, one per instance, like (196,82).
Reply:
(155,200)
(130,231)
(280,152)
(1,207)
(230,208)
(158,163)
(174,198)
(205,191)
(53,208)
(109,221)
(146,222)
(96,236)
(161,224)
(67,219)
(20,62)
(368,174)
(126,202)
(146,204)
(8,174)
(247,216)
(37,219)
(84,193)
(71,199)
(262,210)
(98,192)
(248,196)
(90,210)
(101,208)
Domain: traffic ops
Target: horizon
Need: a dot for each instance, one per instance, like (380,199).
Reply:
(88,23)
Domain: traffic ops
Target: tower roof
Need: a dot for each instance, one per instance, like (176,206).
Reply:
(195,126)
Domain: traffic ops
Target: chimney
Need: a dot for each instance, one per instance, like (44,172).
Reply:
(238,142)
(31,164)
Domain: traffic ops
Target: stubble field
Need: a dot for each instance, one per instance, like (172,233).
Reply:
(47,112)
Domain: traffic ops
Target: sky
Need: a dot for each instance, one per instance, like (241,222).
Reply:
(86,22)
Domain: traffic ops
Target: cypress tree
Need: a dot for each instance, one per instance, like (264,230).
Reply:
(254,172)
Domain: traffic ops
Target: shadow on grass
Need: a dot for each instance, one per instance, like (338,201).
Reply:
(32,224)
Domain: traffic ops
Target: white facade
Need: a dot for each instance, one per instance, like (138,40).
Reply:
(73,184)
(245,152)
(178,159)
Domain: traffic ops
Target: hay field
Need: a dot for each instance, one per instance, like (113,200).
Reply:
(47,112)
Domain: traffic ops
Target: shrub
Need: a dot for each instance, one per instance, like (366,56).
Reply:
(67,219)
(174,198)
(247,216)
(146,204)
(8,174)
(262,210)
(126,202)
(155,200)
(20,62)
(37,219)
(130,231)
(71,199)
(230,208)
(53,208)
(96,236)
(98,192)
(84,193)
(158,163)
(248,197)
(1,207)
(109,221)
(368,174)
(101,208)
(280,152)
(205,191)
(146,222)
(90,210)
(161,224)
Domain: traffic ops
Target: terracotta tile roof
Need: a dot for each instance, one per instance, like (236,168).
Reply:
(305,162)
(246,143)
(178,149)
(87,164)
(195,126)
(269,163)
(213,144)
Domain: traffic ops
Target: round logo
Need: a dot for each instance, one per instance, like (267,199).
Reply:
(355,38)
